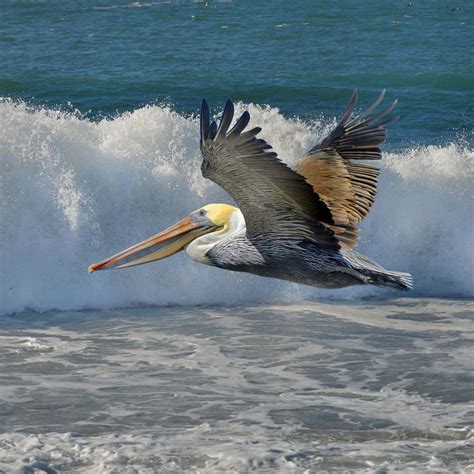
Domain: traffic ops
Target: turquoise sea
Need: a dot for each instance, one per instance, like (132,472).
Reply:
(175,366)
(105,57)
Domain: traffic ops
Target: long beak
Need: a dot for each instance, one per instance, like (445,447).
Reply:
(166,243)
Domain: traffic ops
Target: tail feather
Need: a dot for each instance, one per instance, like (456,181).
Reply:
(372,273)
(397,280)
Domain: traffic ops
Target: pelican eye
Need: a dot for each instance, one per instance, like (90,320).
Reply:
(202,212)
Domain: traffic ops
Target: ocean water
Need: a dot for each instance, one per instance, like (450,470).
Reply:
(209,370)
(374,386)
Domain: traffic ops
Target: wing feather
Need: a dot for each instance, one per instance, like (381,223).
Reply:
(275,200)
(348,188)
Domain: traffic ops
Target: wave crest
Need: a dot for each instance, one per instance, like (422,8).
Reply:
(75,191)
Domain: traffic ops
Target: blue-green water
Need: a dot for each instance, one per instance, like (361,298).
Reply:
(304,57)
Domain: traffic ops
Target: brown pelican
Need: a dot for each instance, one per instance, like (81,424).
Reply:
(293,224)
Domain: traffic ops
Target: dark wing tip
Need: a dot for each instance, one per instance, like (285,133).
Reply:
(376,103)
(227,116)
(356,137)
(349,109)
(240,125)
(205,120)
(388,121)
(212,130)
(382,114)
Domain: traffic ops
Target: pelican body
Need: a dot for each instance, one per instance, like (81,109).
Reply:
(299,224)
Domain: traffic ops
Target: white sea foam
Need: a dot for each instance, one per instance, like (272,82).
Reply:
(320,387)
(74,191)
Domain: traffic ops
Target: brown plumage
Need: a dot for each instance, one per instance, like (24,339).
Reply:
(348,188)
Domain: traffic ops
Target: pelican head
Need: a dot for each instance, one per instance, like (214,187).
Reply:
(196,232)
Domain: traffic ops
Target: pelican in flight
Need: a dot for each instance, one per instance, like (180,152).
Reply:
(295,224)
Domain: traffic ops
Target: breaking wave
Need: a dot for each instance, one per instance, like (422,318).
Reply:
(74,191)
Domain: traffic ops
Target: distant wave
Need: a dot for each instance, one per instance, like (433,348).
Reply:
(74,191)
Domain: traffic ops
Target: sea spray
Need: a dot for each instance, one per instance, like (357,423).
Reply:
(74,191)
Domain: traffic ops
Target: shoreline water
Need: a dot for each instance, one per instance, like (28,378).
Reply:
(321,386)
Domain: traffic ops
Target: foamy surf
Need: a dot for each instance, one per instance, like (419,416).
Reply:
(333,387)
(75,191)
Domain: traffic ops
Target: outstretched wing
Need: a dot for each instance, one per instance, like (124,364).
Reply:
(348,188)
(275,200)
